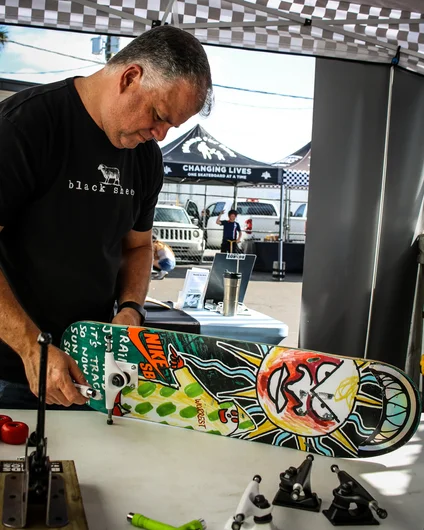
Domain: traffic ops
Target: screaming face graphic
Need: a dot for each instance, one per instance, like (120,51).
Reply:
(306,394)
(226,415)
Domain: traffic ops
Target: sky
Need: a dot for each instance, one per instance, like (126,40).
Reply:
(265,127)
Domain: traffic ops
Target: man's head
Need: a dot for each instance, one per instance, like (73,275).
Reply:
(232,214)
(158,81)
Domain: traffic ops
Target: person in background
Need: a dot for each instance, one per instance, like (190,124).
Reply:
(163,259)
(203,223)
(204,218)
(232,232)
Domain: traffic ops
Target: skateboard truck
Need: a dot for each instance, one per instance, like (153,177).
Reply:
(118,375)
(351,492)
(36,489)
(88,392)
(252,504)
(295,488)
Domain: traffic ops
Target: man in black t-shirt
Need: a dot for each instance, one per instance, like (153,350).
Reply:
(80,173)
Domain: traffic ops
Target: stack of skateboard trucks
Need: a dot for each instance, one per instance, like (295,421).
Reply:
(352,504)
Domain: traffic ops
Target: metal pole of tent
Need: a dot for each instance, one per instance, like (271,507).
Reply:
(380,210)
(415,344)
(279,267)
(235,196)
(205,218)
(205,194)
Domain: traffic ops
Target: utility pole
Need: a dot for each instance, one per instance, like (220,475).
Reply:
(108,50)
(110,45)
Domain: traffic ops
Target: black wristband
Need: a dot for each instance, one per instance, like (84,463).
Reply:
(138,307)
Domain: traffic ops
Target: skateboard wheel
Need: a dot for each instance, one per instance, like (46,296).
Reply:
(4,419)
(14,432)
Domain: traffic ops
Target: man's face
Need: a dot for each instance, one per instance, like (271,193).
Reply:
(139,114)
(232,217)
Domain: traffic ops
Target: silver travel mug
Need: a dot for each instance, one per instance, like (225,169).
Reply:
(232,282)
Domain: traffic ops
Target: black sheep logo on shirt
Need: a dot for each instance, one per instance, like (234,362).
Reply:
(110,174)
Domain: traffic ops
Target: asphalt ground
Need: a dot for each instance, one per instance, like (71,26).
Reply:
(280,300)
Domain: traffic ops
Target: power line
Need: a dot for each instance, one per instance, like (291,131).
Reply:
(56,53)
(99,62)
(263,92)
(262,106)
(49,72)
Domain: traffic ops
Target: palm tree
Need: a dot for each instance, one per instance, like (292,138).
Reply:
(3,37)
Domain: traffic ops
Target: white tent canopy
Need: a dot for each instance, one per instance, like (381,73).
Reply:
(371,30)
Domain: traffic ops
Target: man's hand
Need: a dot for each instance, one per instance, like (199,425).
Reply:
(127,317)
(61,371)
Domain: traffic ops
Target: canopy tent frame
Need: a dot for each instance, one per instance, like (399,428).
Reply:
(178,153)
(289,19)
(197,157)
(295,168)
(373,30)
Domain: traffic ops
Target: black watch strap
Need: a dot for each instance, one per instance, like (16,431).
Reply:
(138,307)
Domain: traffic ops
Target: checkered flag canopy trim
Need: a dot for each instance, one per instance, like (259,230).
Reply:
(313,27)
(295,179)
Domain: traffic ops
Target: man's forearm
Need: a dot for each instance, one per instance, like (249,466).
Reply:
(135,274)
(16,328)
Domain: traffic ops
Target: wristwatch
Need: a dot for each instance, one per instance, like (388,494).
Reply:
(138,307)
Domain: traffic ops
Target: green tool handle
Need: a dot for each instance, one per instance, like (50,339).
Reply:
(140,521)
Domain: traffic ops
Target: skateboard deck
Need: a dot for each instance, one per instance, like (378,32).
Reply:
(310,401)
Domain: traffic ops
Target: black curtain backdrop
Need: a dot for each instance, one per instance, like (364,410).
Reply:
(350,110)
(397,268)
(349,121)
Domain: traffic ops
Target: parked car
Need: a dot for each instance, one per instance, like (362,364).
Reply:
(173,226)
(257,219)
(297,224)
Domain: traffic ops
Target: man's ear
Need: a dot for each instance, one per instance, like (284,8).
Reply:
(131,77)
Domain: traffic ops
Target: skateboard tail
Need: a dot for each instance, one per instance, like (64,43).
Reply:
(400,415)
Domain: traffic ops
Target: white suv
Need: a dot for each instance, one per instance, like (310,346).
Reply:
(173,226)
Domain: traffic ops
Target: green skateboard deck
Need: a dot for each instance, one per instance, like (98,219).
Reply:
(310,401)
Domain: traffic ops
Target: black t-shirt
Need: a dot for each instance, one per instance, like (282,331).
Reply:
(231,230)
(67,199)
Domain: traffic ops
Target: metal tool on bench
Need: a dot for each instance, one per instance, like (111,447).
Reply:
(253,511)
(295,488)
(349,493)
(31,487)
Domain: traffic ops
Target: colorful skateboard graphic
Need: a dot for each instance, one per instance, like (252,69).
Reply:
(305,400)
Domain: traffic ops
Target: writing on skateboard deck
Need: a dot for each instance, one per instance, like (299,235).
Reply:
(305,400)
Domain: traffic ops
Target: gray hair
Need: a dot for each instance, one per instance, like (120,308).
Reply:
(167,53)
